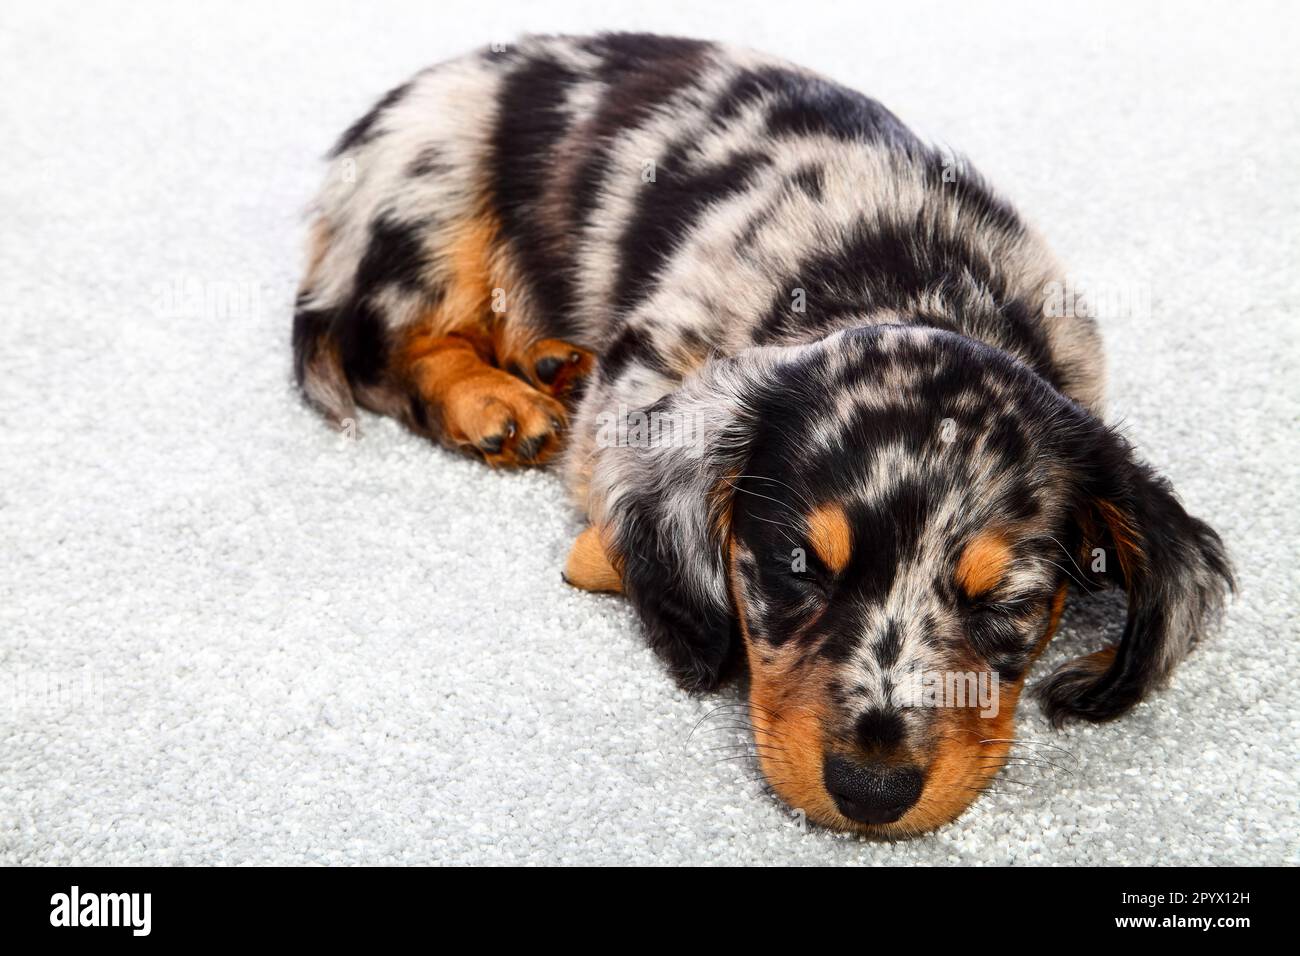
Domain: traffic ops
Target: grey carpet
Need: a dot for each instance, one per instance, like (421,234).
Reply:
(230,636)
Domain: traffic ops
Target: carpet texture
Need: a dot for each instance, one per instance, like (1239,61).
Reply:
(229,635)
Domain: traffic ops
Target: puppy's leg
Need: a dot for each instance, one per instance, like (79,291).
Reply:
(417,328)
(477,378)
(589,567)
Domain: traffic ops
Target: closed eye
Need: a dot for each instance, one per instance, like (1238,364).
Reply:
(1017,607)
(805,568)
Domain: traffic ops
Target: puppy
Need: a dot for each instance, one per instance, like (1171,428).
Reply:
(822,413)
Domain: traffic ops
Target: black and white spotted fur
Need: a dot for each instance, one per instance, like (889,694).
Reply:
(854,314)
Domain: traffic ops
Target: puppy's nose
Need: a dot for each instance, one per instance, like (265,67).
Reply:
(871,794)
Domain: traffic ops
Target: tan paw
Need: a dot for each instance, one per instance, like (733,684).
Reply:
(505,420)
(589,566)
(557,367)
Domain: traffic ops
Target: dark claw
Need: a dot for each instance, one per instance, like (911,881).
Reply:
(547,369)
(492,445)
(529,447)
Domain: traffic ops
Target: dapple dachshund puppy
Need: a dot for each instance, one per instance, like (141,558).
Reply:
(875,451)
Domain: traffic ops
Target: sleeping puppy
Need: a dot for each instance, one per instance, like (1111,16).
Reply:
(817,400)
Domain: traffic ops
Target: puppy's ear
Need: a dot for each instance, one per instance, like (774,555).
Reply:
(1134,534)
(662,489)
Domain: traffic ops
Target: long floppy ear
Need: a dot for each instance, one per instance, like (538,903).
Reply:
(661,490)
(1134,533)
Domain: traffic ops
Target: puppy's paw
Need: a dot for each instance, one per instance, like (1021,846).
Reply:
(507,421)
(589,567)
(557,367)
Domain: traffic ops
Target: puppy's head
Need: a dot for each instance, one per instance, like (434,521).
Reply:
(883,527)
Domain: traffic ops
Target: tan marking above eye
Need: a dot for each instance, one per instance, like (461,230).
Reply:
(830,536)
(983,563)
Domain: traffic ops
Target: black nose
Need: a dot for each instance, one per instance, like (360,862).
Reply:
(873,794)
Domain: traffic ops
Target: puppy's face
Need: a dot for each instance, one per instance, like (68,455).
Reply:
(891,518)
(890,601)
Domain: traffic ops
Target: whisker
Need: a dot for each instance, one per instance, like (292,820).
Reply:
(1018,741)
(1005,793)
(782,525)
(734,757)
(752,751)
(1032,755)
(710,714)
(750,491)
(1083,584)
(803,499)
(1070,557)
(748,728)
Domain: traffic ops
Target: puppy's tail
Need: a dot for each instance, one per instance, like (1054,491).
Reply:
(318,366)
